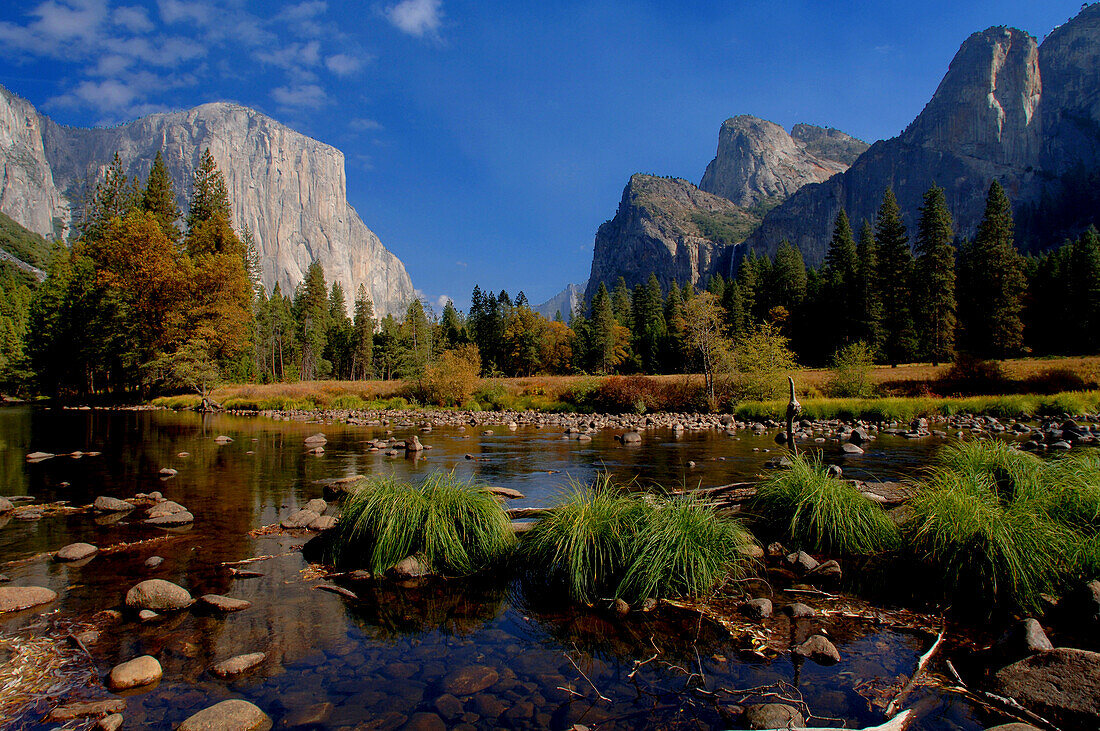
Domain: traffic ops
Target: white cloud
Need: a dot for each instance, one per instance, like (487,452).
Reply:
(62,21)
(303,11)
(300,96)
(293,55)
(343,64)
(176,11)
(442,300)
(417,17)
(134,19)
(105,96)
(363,124)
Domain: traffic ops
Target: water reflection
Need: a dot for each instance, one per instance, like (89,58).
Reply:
(398,654)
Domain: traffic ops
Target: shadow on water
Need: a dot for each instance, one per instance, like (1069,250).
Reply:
(475,654)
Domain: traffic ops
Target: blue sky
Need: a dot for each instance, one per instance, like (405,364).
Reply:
(487,141)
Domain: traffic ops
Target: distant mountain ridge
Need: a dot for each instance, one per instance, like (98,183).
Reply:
(289,189)
(566,302)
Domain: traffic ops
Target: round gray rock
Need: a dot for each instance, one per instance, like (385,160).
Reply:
(299,519)
(158,595)
(15,598)
(470,680)
(819,649)
(231,715)
(135,673)
(76,552)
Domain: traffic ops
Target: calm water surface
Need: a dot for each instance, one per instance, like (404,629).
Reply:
(385,661)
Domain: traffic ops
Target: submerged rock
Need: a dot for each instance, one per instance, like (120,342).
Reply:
(470,680)
(230,715)
(16,598)
(134,673)
(772,715)
(158,595)
(237,665)
(223,603)
(84,709)
(819,649)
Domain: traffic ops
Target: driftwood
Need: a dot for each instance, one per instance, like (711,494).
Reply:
(895,704)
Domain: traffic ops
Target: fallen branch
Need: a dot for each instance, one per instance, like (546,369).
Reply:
(894,705)
(600,695)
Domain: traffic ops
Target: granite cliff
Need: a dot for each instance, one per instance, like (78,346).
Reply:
(566,302)
(289,189)
(669,227)
(757,162)
(1008,109)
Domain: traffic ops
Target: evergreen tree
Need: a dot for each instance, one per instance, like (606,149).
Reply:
(114,198)
(362,341)
(934,284)
(787,283)
(895,274)
(995,284)
(1084,291)
(838,285)
(606,346)
(649,329)
(868,301)
(209,196)
(159,198)
(311,310)
(620,303)
(452,329)
(338,338)
(672,348)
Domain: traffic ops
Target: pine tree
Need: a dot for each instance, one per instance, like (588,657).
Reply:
(934,284)
(159,198)
(787,283)
(868,301)
(114,198)
(312,314)
(838,286)
(1084,291)
(995,284)
(209,196)
(338,337)
(603,331)
(895,273)
(452,328)
(362,342)
(672,349)
(620,303)
(648,328)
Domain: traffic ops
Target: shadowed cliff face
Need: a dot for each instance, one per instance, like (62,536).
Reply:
(668,227)
(1008,109)
(290,190)
(758,161)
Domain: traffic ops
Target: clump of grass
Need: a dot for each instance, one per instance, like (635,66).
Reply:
(819,513)
(602,542)
(1073,499)
(983,520)
(452,526)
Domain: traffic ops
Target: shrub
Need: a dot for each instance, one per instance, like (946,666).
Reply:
(453,527)
(491,395)
(1056,380)
(581,395)
(981,520)
(763,360)
(970,376)
(451,380)
(350,402)
(852,366)
(628,395)
(601,542)
(820,513)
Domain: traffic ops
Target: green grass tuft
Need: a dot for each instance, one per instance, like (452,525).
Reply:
(601,542)
(452,526)
(820,513)
(983,520)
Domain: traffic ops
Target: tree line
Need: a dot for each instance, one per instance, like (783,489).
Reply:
(147,299)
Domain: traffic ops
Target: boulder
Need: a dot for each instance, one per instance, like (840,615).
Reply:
(407,568)
(231,715)
(1059,685)
(632,437)
(858,436)
(757,608)
(1022,639)
(317,505)
(849,448)
(323,522)
(1013,727)
(75,552)
(798,610)
(819,649)
(828,570)
(299,519)
(106,504)
(470,680)
(802,562)
(237,665)
(772,715)
(84,709)
(153,562)
(316,440)
(134,673)
(112,722)
(5,505)
(165,508)
(173,519)
(168,472)
(16,598)
(222,439)
(412,444)
(158,595)
(223,603)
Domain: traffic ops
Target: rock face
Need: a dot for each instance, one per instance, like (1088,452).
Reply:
(290,190)
(758,162)
(1008,109)
(668,227)
(566,302)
